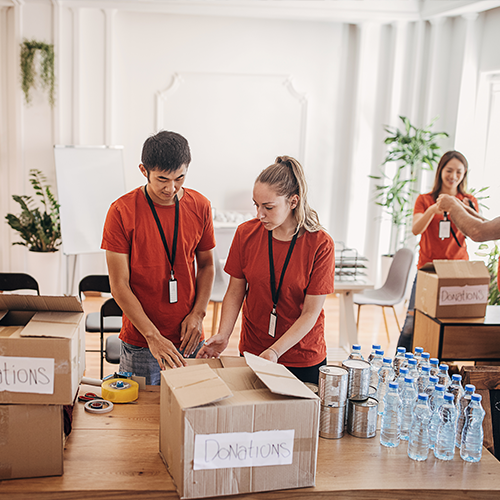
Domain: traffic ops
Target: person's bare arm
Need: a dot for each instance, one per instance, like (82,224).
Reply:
(192,325)
(231,305)
(119,276)
(313,304)
(422,220)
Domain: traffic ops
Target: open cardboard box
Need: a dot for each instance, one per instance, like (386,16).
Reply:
(42,349)
(230,427)
(453,289)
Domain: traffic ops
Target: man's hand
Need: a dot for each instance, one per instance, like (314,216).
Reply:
(213,347)
(445,202)
(165,352)
(191,330)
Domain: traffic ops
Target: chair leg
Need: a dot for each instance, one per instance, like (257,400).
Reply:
(396,317)
(357,320)
(215,315)
(386,327)
(102,355)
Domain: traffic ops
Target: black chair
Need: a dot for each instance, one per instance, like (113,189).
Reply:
(110,347)
(18,281)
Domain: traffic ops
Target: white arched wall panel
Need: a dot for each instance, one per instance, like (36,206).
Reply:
(236,126)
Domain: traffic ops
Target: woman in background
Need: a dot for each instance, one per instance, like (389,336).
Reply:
(450,179)
(282,267)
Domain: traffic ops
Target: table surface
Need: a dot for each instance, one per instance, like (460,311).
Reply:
(116,455)
(491,318)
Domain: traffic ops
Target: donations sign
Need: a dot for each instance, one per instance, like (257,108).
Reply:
(243,449)
(463,295)
(32,375)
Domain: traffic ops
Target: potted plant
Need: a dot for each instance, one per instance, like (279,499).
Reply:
(492,254)
(40,231)
(410,150)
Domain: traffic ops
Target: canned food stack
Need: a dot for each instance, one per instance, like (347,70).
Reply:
(332,390)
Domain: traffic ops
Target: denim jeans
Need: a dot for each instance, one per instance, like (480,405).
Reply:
(406,337)
(140,362)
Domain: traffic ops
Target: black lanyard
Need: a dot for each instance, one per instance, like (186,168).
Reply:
(171,259)
(275,293)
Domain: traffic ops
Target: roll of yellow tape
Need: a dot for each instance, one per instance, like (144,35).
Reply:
(120,390)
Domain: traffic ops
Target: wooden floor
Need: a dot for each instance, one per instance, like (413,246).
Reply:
(371,331)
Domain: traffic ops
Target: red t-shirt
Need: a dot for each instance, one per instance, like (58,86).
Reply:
(130,228)
(432,247)
(310,271)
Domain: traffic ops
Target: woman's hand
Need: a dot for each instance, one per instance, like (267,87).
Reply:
(270,354)
(213,347)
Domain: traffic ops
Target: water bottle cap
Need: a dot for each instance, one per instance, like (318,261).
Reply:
(433,379)
(408,355)
(434,361)
(426,368)
(412,362)
(376,346)
(419,350)
(403,370)
(444,368)
(379,352)
(456,377)
(356,347)
(401,349)
(393,385)
(426,355)
(449,397)
(440,387)
(423,397)
(409,380)
(470,388)
(387,360)
(476,397)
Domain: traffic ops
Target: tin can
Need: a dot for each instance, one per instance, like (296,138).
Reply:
(332,385)
(359,378)
(331,422)
(362,418)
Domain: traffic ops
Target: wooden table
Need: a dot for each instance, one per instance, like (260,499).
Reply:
(116,455)
(460,339)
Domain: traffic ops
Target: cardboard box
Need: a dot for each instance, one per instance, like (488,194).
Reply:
(31,441)
(453,289)
(236,429)
(42,349)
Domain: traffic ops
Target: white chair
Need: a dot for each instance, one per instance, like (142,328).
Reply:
(393,290)
(218,291)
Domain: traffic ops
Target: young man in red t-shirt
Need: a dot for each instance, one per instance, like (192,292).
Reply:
(152,236)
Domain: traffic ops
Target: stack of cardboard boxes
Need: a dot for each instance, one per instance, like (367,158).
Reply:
(42,360)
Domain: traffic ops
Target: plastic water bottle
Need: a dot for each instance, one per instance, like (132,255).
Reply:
(385,375)
(431,385)
(456,388)
(403,373)
(408,355)
(444,449)
(408,399)
(412,369)
(424,361)
(472,435)
(391,418)
(356,352)
(444,378)
(423,379)
(375,347)
(434,362)
(418,443)
(435,402)
(417,353)
(461,406)
(398,360)
(375,364)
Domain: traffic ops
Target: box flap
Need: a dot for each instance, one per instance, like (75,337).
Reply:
(14,302)
(52,324)
(2,314)
(461,269)
(196,385)
(278,378)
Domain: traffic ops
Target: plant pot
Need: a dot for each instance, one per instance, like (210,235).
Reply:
(45,267)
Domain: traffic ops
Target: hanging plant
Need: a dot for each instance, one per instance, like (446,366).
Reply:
(29,75)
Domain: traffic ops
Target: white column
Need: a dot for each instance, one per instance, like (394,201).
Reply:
(76,76)
(108,77)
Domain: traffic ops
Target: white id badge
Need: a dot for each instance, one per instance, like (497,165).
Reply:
(172,291)
(272,324)
(444,229)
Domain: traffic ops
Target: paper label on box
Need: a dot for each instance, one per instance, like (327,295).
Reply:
(29,375)
(463,295)
(243,449)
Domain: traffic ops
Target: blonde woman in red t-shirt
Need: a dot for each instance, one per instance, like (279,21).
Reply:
(280,322)
(450,179)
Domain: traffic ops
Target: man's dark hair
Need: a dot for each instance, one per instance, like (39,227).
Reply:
(166,151)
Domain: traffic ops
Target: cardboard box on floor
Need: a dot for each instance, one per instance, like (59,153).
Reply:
(31,441)
(42,349)
(228,428)
(453,289)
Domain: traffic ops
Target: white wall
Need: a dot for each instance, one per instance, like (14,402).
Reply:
(350,76)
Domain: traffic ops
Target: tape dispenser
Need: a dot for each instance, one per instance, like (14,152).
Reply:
(120,388)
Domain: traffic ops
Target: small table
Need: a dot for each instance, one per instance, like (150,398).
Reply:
(459,339)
